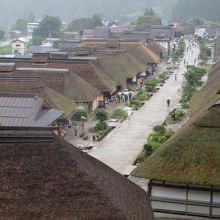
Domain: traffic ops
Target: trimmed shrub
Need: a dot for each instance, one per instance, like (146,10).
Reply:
(179,114)
(101,126)
(151,84)
(140,96)
(160,129)
(135,104)
(79,112)
(119,113)
(101,115)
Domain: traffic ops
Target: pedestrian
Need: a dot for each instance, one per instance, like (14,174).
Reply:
(130,95)
(168,102)
(175,76)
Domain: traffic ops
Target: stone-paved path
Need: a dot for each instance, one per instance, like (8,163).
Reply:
(121,147)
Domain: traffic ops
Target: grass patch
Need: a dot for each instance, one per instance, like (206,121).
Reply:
(5,50)
(119,113)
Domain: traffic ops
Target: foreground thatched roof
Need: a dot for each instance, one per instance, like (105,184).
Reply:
(192,155)
(44,177)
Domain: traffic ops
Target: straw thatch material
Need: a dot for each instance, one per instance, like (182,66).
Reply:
(133,46)
(7,67)
(156,47)
(47,178)
(192,155)
(40,57)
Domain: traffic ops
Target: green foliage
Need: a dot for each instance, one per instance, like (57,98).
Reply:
(140,96)
(50,26)
(36,40)
(179,52)
(119,113)
(149,17)
(197,21)
(179,114)
(2,35)
(5,50)
(185,105)
(205,52)
(204,10)
(159,129)
(135,104)
(187,92)
(155,140)
(101,126)
(162,77)
(80,112)
(151,84)
(20,25)
(193,79)
(95,21)
(131,88)
(101,115)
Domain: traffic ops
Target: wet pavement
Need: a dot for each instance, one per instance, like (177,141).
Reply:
(121,147)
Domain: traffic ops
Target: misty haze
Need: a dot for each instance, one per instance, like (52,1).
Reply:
(109,110)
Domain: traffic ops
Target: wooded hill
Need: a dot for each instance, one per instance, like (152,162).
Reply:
(68,10)
(185,10)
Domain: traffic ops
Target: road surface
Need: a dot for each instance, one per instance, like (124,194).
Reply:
(121,147)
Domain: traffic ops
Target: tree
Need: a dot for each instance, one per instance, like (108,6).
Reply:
(101,115)
(2,34)
(197,21)
(79,113)
(50,26)
(148,17)
(20,25)
(95,21)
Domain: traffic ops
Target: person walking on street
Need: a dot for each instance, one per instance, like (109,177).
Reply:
(168,102)
(175,76)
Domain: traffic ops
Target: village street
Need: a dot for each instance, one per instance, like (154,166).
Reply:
(121,147)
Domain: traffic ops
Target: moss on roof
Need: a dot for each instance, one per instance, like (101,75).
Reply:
(192,155)
(58,101)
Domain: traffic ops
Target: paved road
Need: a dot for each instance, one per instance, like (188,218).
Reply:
(122,146)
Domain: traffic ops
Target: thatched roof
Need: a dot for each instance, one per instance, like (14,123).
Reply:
(155,47)
(7,67)
(134,46)
(55,99)
(44,177)
(192,155)
(79,90)
(204,98)
(116,68)
(58,101)
(140,51)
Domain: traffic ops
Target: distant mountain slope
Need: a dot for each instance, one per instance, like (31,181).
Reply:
(123,10)
(206,9)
